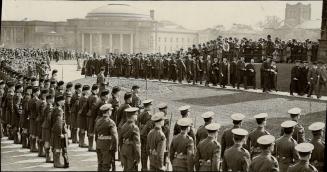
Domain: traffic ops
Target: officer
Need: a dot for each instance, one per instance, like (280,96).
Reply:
(298,134)
(59,134)
(240,72)
(114,101)
(250,75)
(106,138)
(252,144)
(304,150)
(104,96)
(237,158)
(18,112)
(82,111)
(227,137)
(68,97)
(182,147)
(74,102)
(209,150)
(156,143)
(101,80)
(295,78)
(163,107)
(129,141)
(32,117)
(91,115)
(184,111)
(46,127)
(136,100)
(317,155)
(41,105)
(265,161)
(285,146)
(25,117)
(202,132)
(9,108)
(121,114)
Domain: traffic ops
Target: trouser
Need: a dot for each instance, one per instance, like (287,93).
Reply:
(144,156)
(182,169)
(250,80)
(199,76)
(294,86)
(241,79)
(24,138)
(153,168)
(105,159)
(316,88)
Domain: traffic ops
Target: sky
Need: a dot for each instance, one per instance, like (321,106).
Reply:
(194,15)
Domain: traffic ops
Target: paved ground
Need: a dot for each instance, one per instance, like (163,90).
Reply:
(223,102)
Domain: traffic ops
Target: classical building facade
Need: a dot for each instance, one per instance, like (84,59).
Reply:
(118,28)
(297,14)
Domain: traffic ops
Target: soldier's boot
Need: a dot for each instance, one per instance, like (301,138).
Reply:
(82,141)
(56,159)
(74,135)
(33,145)
(100,167)
(17,137)
(91,147)
(48,156)
(66,160)
(40,148)
(9,131)
(24,141)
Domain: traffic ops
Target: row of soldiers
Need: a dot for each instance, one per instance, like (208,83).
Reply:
(47,112)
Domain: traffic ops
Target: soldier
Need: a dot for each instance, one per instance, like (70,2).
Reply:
(156,143)
(101,80)
(46,127)
(91,115)
(223,73)
(52,89)
(208,152)
(240,72)
(25,117)
(265,161)
(129,141)
(74,102)
(295,78)
(136,101)
(145,124)
(184,110)
(54,75)
(81,116)
(202,132)
(252,145)
(41,105)
(59,134)
(214,68)
(32,117)
(298,134)
(285,146)
(8,106)
(182,147)
(318,153)
(227,137)
(232,73)
(304,150)
(18,111)
(121,114)
(199,69)
(114,101)
(250,75)
(313,76)
(237,158)
(104,97)
(106,138)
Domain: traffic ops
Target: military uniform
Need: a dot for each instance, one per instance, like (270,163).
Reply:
(92,102)
(46,129)
(298,134)
(25,119)
(74,116)
(303,164)
(82,117)
(202,132)
(318,153)
(33,124)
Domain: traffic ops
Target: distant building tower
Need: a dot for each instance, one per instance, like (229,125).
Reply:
(297,14)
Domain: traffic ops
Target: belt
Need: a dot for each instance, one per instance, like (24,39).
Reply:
(205,162)
(180,156)
(101,137)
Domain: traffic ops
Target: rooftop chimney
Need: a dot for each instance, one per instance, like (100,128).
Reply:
(152,14)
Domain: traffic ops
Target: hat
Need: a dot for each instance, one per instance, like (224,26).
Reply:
(184,122)
(135,87)
(60,83)
(294,111)
(162,105)
(304,147)
(147,102)
(77,86)
(158,116)
(208,114)
(131,110)
(316,126)
(288,124)
(105,107)
(237,117)
(261,115)
(85,87)
(54,71)
(127,95)
(104,92)
(212,127)
(240,132)
(69,85)
(94,87)
(60,98)
(184,108)
(115,89)
(266,140)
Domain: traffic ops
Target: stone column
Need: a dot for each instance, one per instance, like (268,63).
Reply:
(121,42)
(83,42)
(132,41)
(322,51)
(100,43)
(91,43)
(110,42)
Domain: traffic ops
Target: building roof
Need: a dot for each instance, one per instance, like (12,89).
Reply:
(310,24)
(118,10)
(168,26)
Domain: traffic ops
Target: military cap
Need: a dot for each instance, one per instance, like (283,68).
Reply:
(261,115)
(162,106)
(316,126)
(69,85)
(288,124)
(54,71)
(49,96)
(104,92)
(2,82)
(29,87)
(36,89)
(184,108)
(184,122)
(240,132)
(147,102)
(115,89)
(131,110)
(304,147)
(158,116)
(60,98)
(294,111)
(95,87)
(212,127)
(237,117)
(10,84)
(53,82)
(44,91)
(85,87)
(208,114)
(134,87)
(127,95)
(266,139)
(105,107)
(18,86)
(60,83)
(33,79)
(77,86)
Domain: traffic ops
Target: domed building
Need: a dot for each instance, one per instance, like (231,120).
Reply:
(117,28)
